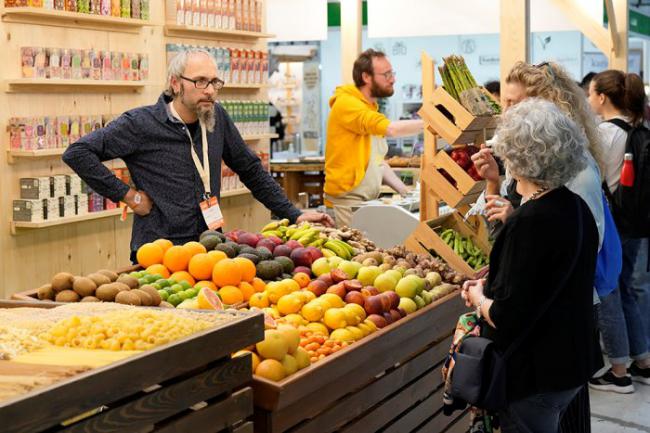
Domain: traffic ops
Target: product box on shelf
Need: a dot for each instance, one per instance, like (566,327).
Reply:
(36,188)
(81,204)
(59,185)
(67,205)
(53,209)
(28,210)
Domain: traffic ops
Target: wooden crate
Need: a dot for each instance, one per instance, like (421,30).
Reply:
(425,238)
(449,119)
(156,390)
(389,381)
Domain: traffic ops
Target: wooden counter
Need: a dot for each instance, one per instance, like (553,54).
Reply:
(297,177)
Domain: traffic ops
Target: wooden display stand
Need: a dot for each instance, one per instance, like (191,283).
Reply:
(389,381)
(150,391)
(86,244)
(308,177)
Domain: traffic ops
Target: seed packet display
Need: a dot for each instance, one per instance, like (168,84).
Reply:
(62,131)
(83,6)
(39,132)
(125,63)
(86,64)
(40,62)
(27,61)
(96,7)
(53,69)
(71,5)
(66,64)
(105,7)
(116,64)
(115,8)
(76,64)
(145,10)
(75,129)
(125,8)
(59,5)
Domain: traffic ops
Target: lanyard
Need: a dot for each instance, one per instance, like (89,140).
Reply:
(203,170)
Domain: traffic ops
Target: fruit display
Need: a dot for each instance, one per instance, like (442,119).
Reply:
(460,84)
(464,247)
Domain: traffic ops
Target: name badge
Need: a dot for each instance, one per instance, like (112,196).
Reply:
(212,213)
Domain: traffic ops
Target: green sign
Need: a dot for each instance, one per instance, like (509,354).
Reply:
(637,22)
(334,14)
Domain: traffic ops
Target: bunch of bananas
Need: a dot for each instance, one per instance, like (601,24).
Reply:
(304,233)
(336,247)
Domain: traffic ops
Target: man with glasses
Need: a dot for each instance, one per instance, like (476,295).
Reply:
(173,151)
(356,131)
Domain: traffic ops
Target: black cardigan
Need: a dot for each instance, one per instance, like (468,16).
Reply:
(530,255)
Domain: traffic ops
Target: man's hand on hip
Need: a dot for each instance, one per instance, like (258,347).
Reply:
(316,217)
(138,201)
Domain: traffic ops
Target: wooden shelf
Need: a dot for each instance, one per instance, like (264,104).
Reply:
(245,86)
(43,153)
(235,192)
(73,86)
(254,137)
(42,16)
(25,225)
(182,31)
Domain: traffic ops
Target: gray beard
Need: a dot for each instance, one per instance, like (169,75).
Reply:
(207,118)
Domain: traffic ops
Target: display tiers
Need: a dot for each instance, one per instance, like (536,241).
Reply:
(390,382)
(150,391)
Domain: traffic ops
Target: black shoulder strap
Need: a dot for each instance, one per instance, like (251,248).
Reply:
(621,124)
(565,278)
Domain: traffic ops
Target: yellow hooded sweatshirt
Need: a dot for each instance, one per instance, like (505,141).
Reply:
(352,121)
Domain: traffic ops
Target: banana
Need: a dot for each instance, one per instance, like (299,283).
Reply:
(304,230)
(328,253)
(338,249)
(317,243)
(345,246)
(308,236)
(268,233)
(284,222)
(273,225)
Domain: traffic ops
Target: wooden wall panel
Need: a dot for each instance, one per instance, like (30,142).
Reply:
(31,257)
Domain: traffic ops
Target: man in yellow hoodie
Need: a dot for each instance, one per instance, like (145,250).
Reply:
(356,143)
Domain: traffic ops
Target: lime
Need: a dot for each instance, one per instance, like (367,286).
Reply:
(156,286)
(177,288)
(174,299)
(193,292)
(163,295)
(152,278)
(164,283)
(142,281)
(137,274)
(184,295)
(185,284)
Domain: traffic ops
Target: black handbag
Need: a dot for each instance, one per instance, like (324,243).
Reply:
(479,374)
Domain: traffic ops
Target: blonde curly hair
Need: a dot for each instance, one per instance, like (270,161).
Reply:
(551,81)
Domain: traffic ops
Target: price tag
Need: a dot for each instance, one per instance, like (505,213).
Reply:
(212,213)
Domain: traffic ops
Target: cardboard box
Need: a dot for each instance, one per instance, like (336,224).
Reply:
(35,188)
(59,185)
(28,210)
(81,204)
(53,209)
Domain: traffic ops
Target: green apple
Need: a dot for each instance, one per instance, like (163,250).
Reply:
(397,275)
(406,288)
(400,269)
(334,261)
(428,297)
(350,268)
(419,301)
(419,281)
(367,275)
(408,305)
(385,282)
(320,266)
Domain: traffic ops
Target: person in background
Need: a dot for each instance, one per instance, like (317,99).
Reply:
(494,87)
(584,84)
(173,151)
(620,100)
(356,145)
(542,148)
(277,127)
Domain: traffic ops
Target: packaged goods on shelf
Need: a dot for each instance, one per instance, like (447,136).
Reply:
(245,15)
(78,64)
(52,132)
(137,9)
(250,117)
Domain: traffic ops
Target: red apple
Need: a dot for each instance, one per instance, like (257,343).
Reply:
(394,299)
(315,253)
(378,320)
(338,275)
(303,269)
(385,302)
(372,305)
(266,243)
(282,250)
(337,289)
(301,257)
(293,244)
(354,297)
(276,240)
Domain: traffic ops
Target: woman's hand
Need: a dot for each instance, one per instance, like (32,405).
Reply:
(498,208)
(486,165)
(472,291)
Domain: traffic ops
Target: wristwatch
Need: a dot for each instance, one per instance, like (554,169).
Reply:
(137,198)
(479,305)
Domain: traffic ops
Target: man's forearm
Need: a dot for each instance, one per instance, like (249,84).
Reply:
(404,128)
(390,178)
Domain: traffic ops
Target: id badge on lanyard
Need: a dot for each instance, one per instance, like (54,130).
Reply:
(209,205)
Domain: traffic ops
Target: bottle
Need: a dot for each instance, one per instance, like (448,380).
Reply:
(627,172)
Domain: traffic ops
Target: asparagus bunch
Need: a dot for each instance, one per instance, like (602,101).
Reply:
(457,79)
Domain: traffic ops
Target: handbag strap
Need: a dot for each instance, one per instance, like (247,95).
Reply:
(515,344)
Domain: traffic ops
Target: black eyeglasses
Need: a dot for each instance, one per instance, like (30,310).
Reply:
(388,74)
(202,83)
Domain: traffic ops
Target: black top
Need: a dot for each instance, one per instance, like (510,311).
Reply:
(530,256)
(156,150)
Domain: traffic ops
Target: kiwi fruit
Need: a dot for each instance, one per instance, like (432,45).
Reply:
(107,292)
(45,292)
(89,299)
(165,304)
(99,279)
(67,296)
(110,274)
(155,296)
(84,286)
(128,298)
(129,281)
(145,298)
(62,281)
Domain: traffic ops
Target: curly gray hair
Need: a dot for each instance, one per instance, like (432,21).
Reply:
(178,64)
(540,143)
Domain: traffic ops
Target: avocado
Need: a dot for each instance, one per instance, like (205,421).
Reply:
(268,269)
(264,253)
(227,249)
(287,264)
(209,242)
(252,257)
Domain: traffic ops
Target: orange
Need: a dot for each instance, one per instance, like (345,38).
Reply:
(149,254)
(217,255)
(231,295)
(302,279)
(259,300)
(208,300)
(247,290)
(176,258)
(247,268)
(291,285)
(205,283)
(158,269)
(179,276)
(258,284)
(226,273)
(201,265)
(271,369)
(165,244)
(195,248)
(254,357)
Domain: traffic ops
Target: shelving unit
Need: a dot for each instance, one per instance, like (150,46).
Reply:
(45,17)
(39,85)
(181,31)
(235,193)
(17,226)
(245,86)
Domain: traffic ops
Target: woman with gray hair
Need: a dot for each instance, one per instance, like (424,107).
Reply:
(532,255)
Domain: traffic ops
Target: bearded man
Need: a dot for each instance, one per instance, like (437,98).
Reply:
(173,151)
(356,145)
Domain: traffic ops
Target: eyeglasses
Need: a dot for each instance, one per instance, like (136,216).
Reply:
(388,74)
(202,83)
